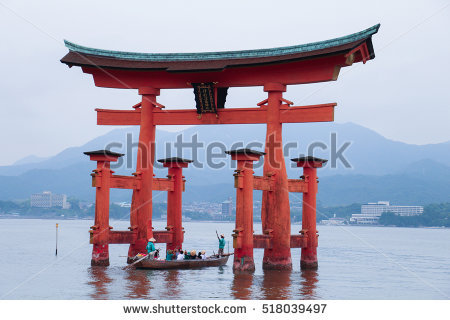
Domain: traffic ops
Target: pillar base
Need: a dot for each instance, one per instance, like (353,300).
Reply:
(278,263)
(243,264)
(100,255)
(308,259)
(309,265)
(99,263)
(138,247)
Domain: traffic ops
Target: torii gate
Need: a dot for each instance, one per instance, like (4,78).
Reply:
(273,69)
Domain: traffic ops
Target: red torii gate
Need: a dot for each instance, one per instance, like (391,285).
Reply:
(273,69)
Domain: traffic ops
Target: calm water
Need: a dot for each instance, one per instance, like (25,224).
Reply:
(354,263)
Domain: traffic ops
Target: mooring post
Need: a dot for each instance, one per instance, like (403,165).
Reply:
(101,178)
(56,244)
(275,210)
(174,200)
(243,233)
(309,253)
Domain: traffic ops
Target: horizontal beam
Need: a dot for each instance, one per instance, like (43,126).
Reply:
(294,72)
(125,182)
(298,114)
(313,113)
(297,185)
(262,183)
(128,182)
(163,184)
(163,236)
(122,237)
(261,241)
(224,116)
(264,241)
(299,241)
(118,117)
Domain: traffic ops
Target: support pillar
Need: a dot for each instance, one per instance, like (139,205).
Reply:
(174,200)
(275,211)
(309,253)
(243,233)
(101,179)
(141,207)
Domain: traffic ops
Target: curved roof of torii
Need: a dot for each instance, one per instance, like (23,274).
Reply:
(209,61)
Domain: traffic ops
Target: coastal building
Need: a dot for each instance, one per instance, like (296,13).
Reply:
(47,199)
(123,204)
(227,207)
(334,221)
(371,212)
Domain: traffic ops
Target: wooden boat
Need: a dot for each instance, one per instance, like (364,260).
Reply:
(213,261)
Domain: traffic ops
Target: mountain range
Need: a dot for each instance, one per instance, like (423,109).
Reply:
(370,167)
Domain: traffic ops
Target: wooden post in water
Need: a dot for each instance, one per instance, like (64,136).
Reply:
(101,180)
(243,233)
(174,200)
(56,251)
(309,252)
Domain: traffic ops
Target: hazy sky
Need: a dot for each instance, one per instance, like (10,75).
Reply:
(404,94)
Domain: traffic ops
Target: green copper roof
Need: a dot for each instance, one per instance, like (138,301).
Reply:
(225,55)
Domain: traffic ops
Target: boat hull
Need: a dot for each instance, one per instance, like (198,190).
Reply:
(182,264)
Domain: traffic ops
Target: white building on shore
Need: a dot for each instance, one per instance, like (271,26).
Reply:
(371,212)
(47,199)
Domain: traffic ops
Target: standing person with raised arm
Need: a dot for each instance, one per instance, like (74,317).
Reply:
(221,243)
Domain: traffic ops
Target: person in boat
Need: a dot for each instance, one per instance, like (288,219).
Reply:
(151,250)
(186,255)
(193,255)
(169,255)
(221,244)
(180,255)
(203,254)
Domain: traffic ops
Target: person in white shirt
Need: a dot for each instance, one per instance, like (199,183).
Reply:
(203,255)
(180,255)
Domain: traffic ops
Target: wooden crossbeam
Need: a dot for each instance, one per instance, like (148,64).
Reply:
(119,117)
(261,241)
(315,113)
(297,185)
(125,182)
(129,182)
(163,236)
(299,241)
(262,183)
(163,184)
(295,114)
(119,237)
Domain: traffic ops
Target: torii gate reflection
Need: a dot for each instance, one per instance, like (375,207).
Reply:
(273,69)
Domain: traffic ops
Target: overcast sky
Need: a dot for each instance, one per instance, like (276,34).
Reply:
(404,94)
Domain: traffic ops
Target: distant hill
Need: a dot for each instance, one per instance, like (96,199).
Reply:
(380,168)
(368,153)
(29,160)
(420,183)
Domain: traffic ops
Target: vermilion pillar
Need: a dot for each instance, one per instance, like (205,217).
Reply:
(100,229)
(309,253)
(243,233)
(174,202)
(275,211)
(141,208)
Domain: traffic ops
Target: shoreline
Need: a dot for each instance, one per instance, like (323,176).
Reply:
(4,217)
